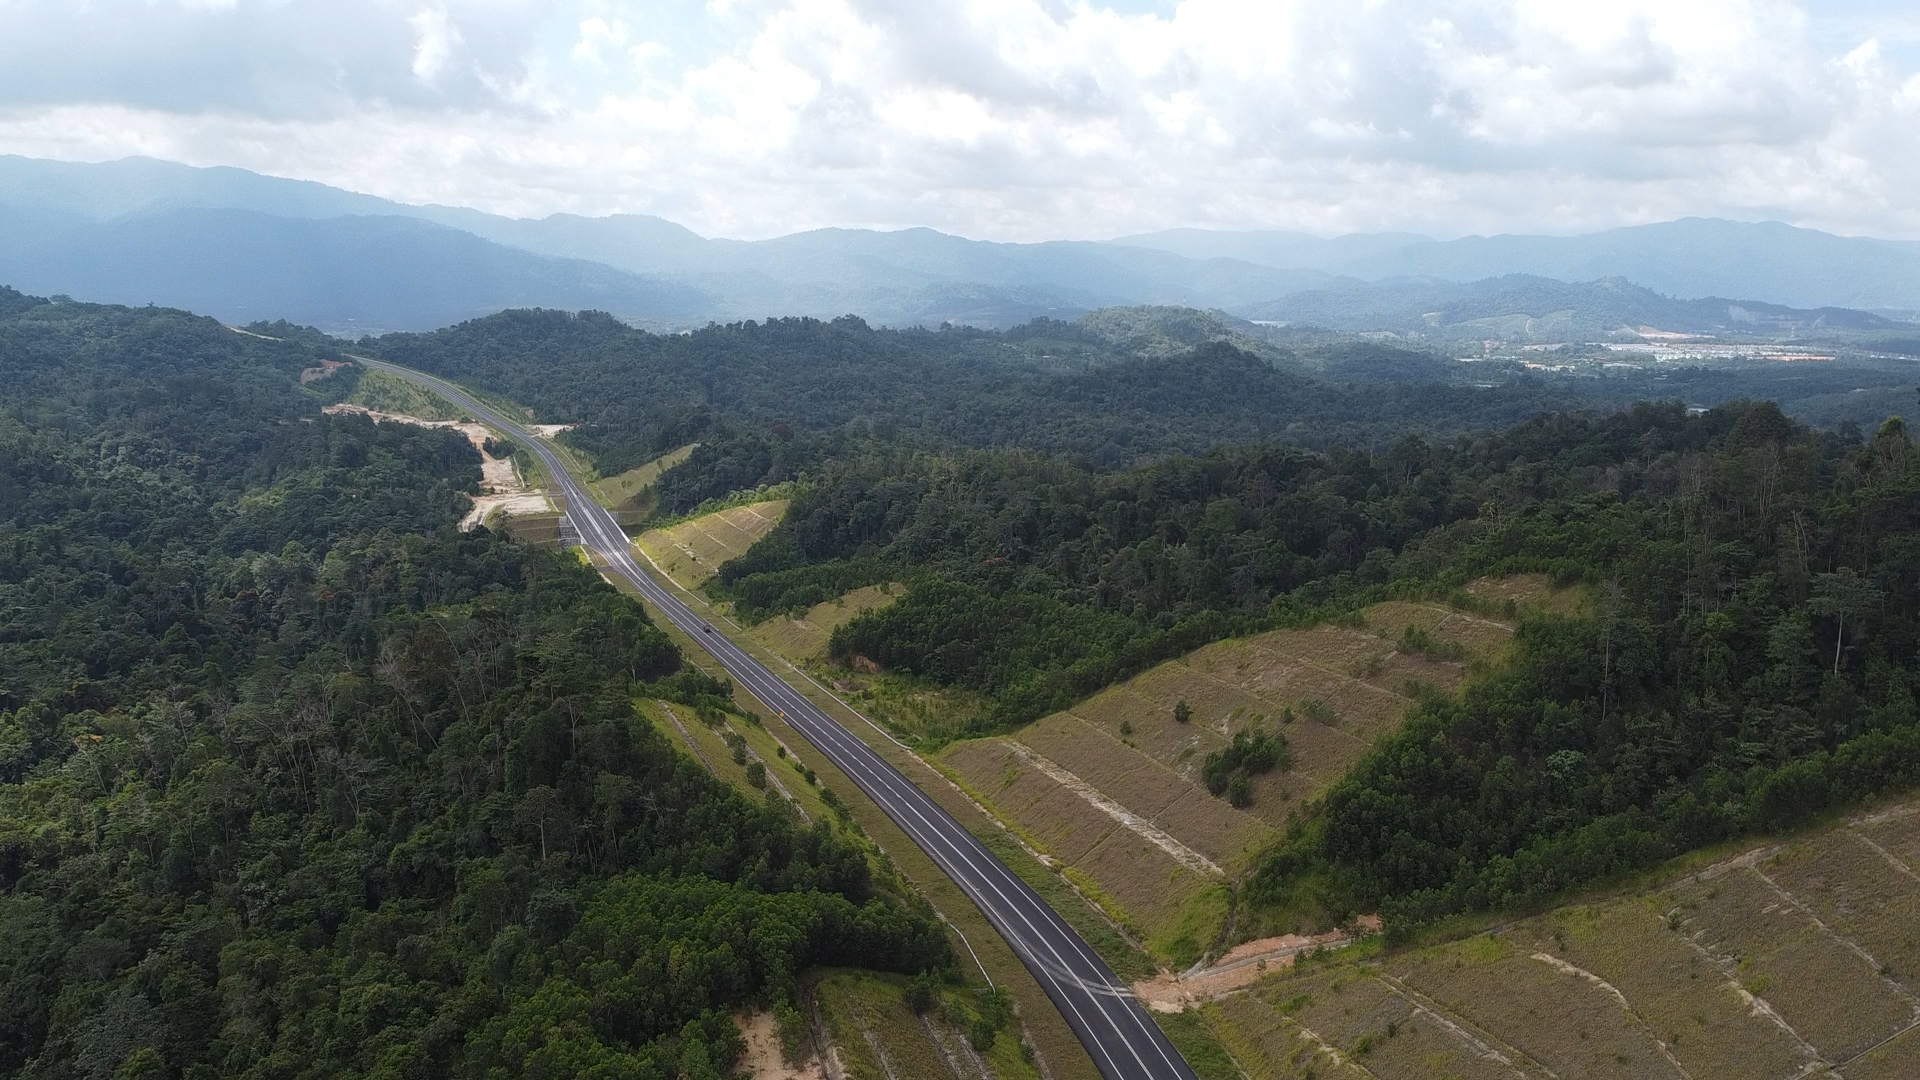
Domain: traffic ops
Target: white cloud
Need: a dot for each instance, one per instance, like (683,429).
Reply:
(1017,118)
(435,39)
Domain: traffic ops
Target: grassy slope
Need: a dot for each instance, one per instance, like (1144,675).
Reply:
(631,495)
(1330,690)
(804,640)
(691,552)
(382,392)
(1790,959)
(867,1017)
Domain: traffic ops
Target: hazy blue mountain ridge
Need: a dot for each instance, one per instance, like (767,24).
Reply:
(1533,308)
(247,246)
(344,274)
(1692,257)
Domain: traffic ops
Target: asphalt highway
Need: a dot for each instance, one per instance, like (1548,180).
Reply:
(1103,1011)
(1122,1039)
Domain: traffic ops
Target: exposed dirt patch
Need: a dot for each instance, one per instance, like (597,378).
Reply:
(499,480)
(762,1061)
(1240,968)
(307,375)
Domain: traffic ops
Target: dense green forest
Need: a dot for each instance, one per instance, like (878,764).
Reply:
(1074,502)
(1048,386)
(1752,661)
(770,401)
(1751,664)
(295,781)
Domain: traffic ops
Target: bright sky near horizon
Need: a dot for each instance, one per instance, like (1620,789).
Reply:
(1009,119)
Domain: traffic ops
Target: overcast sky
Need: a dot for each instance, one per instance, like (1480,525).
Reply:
(1009,119)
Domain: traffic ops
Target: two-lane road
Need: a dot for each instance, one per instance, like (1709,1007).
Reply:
(1122,1039)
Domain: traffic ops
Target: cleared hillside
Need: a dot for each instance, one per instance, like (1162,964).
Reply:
(691,552)
(1788,960)
(1114,788)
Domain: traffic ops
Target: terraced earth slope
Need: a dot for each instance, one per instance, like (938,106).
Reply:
(1113,789)
(630,495)
(1792,960)
(691,552)
(803,640)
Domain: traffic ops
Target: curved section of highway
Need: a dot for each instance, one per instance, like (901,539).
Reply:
(1122,1039)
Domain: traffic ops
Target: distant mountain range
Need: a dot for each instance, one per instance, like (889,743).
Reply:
(1522,307)
(244,246)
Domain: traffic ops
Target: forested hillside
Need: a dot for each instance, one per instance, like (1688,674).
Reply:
(1048,386)
(295,781)
(1751,664)
(1116,388)
(1751,661)
(1070,504)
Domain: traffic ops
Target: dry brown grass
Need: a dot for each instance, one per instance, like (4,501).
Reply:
(1529,592)
(1836,1000)
(630,495)
(1268,1046)
(1897,833)
(805,638)
(1686,999)
(1771,965)
(1480,636)
(1557,1019)
(1329,690)
(692,551)
(1899,1059)
(1860,895)
(1150,885)
(1290,1022)
(1151,790)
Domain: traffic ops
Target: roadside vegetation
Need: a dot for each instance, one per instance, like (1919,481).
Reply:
(380,392)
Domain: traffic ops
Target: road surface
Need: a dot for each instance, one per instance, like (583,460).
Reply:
(1122,1039)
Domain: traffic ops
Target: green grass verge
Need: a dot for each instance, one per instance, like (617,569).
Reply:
(1120,954)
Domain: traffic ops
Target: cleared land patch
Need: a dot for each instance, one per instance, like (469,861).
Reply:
(1330,690)
(1150,884)
(1345,1024)
(692,551)
(1783,955)
(630,495)
(1528,592)
(804,639)
(505,495)
(382,392)
(1113,787)
(764,1059)
(1774,964)
(1227,838)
